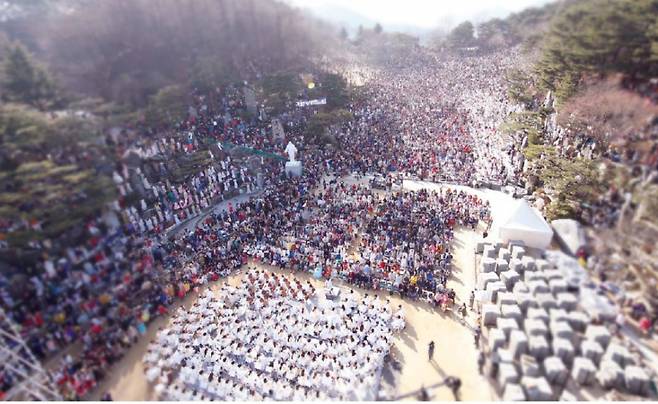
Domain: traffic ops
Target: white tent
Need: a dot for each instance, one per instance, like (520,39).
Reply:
(570,234)
(526,224)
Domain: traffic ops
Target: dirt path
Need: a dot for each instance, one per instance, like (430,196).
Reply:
(455,353)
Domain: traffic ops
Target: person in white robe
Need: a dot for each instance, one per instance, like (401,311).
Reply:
(299,394)
(398,323)
(153,373)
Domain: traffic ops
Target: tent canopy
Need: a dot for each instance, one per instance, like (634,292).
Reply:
(526,224)
(570,234)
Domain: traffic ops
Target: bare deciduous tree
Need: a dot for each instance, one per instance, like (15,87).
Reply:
(124,50)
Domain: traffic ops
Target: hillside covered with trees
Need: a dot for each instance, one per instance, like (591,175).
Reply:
(596,62)
(590,121)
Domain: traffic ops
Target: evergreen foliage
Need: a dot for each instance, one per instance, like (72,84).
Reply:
(463,35)
(24,81)
(167,106)
(599,37)
(37,186)
(572,182)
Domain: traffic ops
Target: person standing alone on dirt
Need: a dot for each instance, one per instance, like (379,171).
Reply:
(430,350)
(481,361)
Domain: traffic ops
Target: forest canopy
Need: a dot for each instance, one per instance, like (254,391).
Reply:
(600,37)
(127,50)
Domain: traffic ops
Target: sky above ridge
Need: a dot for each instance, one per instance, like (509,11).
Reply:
(414,14)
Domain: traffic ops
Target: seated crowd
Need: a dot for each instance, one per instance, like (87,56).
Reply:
(273,337)
(400,242)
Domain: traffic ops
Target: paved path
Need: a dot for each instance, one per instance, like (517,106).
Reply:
(191,223)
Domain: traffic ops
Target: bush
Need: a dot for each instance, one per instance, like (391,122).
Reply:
(169,105)
(558,209)
(318,125)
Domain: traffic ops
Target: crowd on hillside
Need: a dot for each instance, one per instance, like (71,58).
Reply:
(103,294)
(436,121)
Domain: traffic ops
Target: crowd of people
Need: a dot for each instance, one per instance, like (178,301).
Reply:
(273,337)
(168,202)
(437,120)
(103,294)
(397,241)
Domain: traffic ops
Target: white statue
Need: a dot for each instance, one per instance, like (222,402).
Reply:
(292,151)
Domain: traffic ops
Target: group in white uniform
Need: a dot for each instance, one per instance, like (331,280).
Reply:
(275,338)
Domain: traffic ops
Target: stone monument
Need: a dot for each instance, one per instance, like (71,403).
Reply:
(250,100)
(293,167)
(277,130)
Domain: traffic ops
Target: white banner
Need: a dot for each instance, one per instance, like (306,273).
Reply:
(321,101)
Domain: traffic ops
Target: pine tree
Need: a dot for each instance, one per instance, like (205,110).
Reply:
(343,34)
(462,35)
(167,105)
(24,81)
(600,37)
